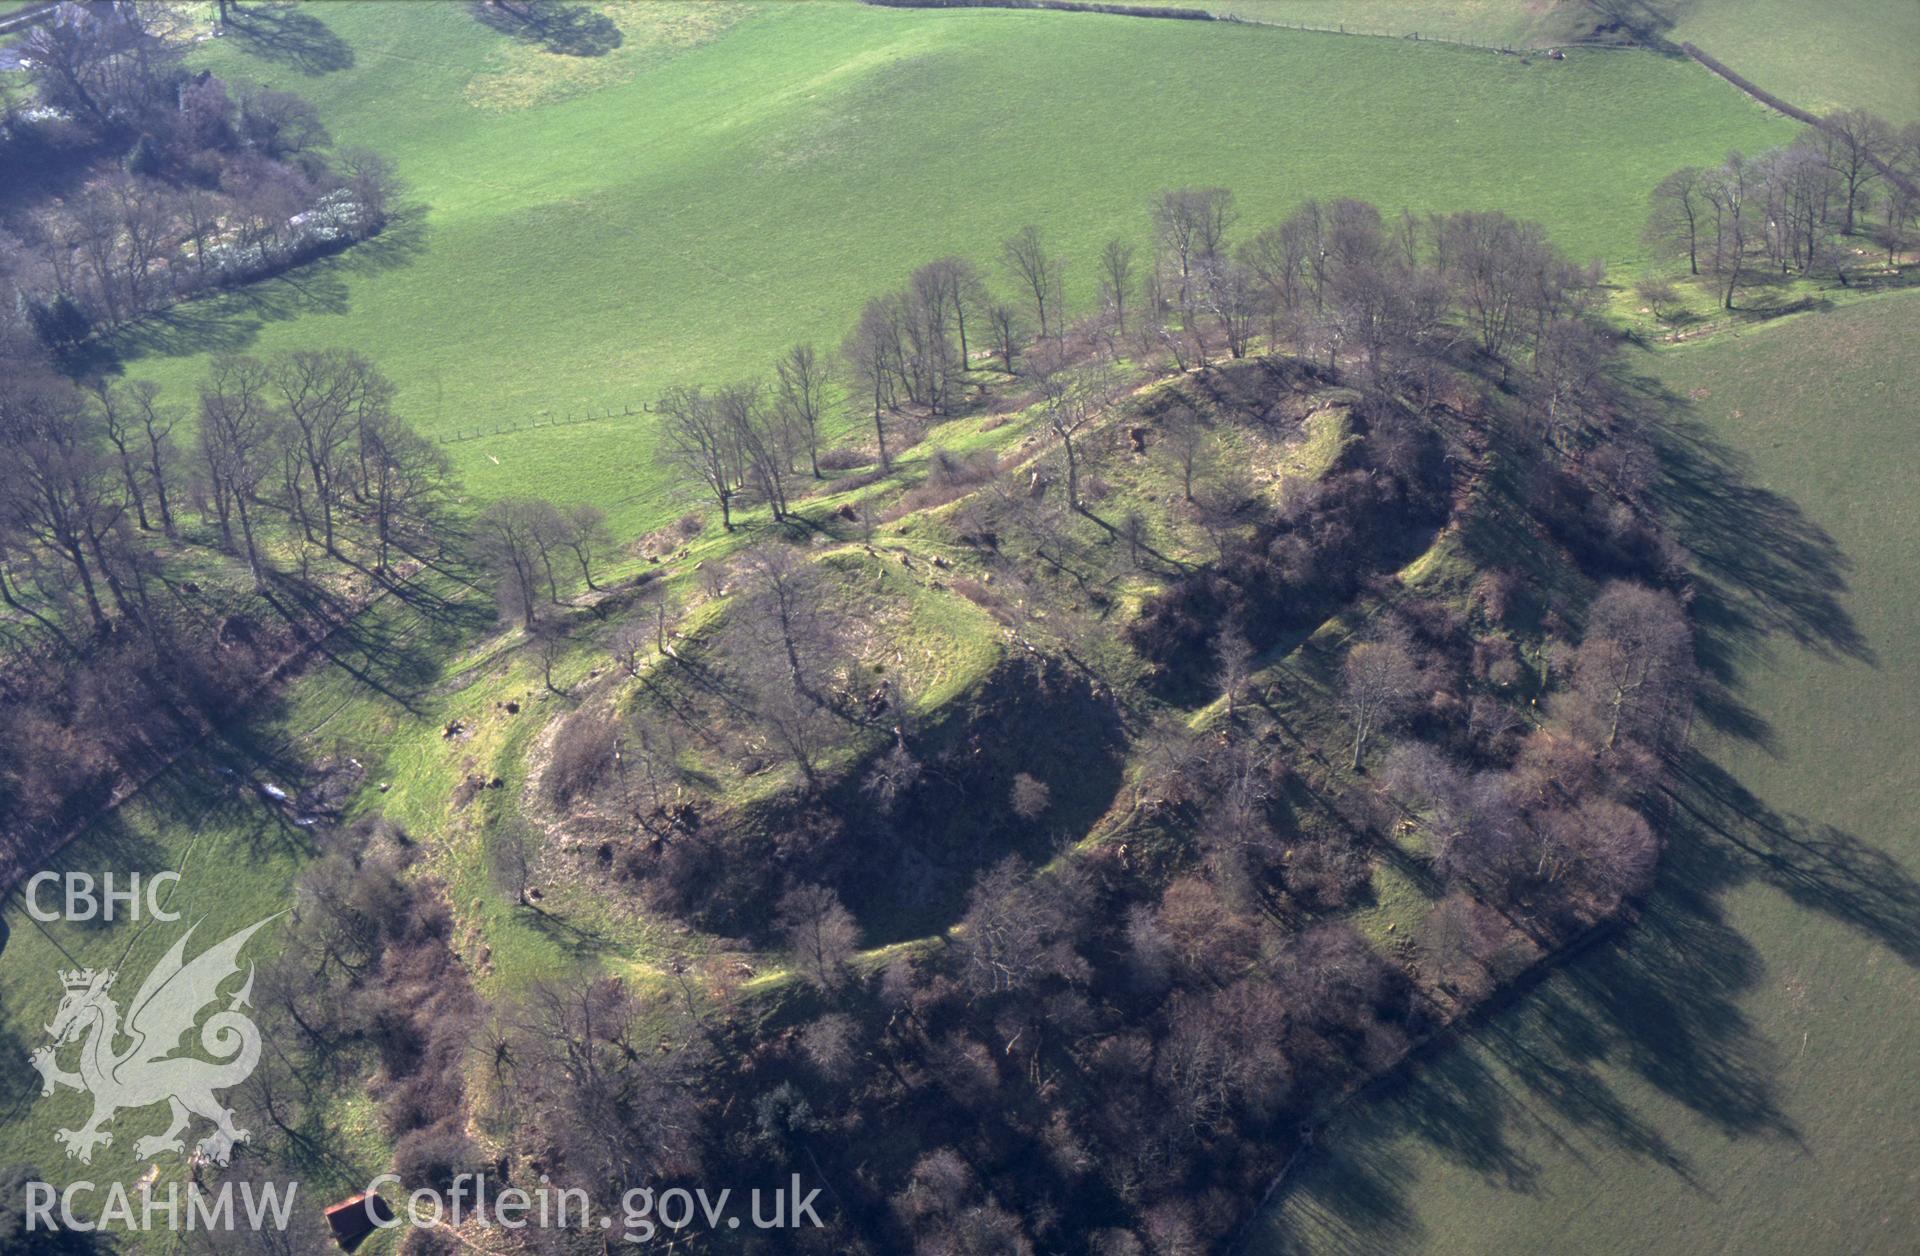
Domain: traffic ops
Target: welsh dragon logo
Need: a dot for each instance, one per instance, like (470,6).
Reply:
(148,1071)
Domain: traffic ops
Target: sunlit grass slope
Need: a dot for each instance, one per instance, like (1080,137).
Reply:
(594,230)
(1837,54)
(1833,55)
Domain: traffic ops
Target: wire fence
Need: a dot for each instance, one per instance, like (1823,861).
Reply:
(566,418)
(1599,43)
(1194,13)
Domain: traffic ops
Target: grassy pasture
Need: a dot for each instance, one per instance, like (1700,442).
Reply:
(1736,1074)
(729,181)
(1518,23)
(1834,55)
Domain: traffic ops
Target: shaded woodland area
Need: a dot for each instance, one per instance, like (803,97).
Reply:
(161,555)
(153,582)
(138,183)
(1110,1045)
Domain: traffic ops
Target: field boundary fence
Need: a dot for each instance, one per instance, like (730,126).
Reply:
(567,418)
(1241,19)
(1510,49)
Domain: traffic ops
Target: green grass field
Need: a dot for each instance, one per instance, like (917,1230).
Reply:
(1502,23)
(1834,55)
(1736,1075)
(1838,54)
(730,180)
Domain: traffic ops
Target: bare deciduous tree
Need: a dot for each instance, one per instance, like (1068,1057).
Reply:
(760,436)
(872,354)
(237,443)
(402,480)
(1006,334)
(586,534)
(119,417)
(1635,664)
(821,935)
(1116,280)
(1030,796)
(1233,657)
(1677,217)
(616,1107)
(697,439)
(1187,438)
(1010,936)
(1072,398)
(1040,274)
(1727,191)
(58,493)
(1380,681)
(787,647)
(157,424)
(831,1044)
(1236,299)
(1853,143)
(1605,848)
(787,609)
(1190,226)
(508,538)
(325,397)
(1485,257)
(891,776)
(802,383)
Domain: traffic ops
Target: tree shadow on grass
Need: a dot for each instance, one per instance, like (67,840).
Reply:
(1770,570)
(231,321)
(572,30)
(1818,866)
(1647,21)
(379,653)
(223,784)
(109,845)
(398,244)
(1664,1002)
(289,36)
(577,940)
(1351,1196)
(227,323)
(396,649)
(1762,569)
